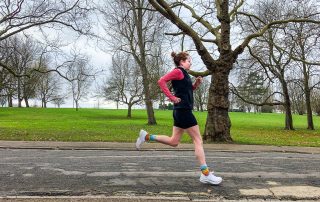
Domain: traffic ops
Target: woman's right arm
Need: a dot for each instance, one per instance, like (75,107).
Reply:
(175,74)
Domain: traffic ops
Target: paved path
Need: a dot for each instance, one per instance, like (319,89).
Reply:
(116,172)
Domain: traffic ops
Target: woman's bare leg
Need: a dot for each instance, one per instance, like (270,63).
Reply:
(194,133)
(174,140)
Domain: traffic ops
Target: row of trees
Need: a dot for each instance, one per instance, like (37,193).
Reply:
(33,63)
(286,55)
(27,66)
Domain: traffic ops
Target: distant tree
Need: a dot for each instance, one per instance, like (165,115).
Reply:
(23,55)
(3,100)
(315,101)
(79,74)
(252,88)
(58,101)
(201,95)
(297,95)
(123,85)
(48,87)
(304,38)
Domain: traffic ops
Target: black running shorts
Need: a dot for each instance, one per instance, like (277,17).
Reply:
(183,118)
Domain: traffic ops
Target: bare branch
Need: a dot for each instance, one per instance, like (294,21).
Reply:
(213,30)
(260,32)
(234,90)
(166,10)
(202,74)
(235,10)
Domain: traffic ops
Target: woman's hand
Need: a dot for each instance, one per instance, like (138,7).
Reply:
(199,80)
(176,100)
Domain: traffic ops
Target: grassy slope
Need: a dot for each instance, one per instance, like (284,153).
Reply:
(112,125)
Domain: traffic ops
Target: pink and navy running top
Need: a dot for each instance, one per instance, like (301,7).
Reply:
(182,87)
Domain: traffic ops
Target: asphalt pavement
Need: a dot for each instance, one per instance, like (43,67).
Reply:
(104,171)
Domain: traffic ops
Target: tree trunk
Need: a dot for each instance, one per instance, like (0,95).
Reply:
(19,102)
(77,105)
(150,112)
(19,93)
(218,122)
(129,111)
(307,94)
(287,107)
(27,102)
(10,104)
(309,110)
(143,66)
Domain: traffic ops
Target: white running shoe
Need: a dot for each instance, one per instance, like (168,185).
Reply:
(210,179)
(141,139)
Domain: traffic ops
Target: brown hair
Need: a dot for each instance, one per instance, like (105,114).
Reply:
(178,57)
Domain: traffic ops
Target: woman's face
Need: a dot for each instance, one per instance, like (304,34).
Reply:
(186,63)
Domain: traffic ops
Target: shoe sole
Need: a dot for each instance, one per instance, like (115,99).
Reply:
(208,182)
(138,148)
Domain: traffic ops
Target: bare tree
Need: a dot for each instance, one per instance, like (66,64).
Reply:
(123,85)
(7,80)
(305,40)
(201,95)
(315,100)
(18,16)
(135,30)
(80,76)
(48,87)
(297,96)
(58,101)
(286,44)
(23,54)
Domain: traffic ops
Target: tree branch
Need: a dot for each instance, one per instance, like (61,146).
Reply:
(260,32)
(202,74)
(235,91)
(165,9)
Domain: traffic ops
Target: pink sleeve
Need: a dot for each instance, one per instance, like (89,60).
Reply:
(175,74)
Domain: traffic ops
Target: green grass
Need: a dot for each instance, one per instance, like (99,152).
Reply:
(37,124)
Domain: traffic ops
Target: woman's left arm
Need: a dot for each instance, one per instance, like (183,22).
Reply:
(197,83)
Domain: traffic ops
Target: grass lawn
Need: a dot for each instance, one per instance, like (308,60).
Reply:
(112,125)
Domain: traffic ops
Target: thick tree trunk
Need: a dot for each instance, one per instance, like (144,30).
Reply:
(218,122)
(150,112)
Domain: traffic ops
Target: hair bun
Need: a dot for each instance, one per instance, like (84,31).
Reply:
(173,54)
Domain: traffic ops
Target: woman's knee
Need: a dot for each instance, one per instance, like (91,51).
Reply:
(174,143)
(198,141)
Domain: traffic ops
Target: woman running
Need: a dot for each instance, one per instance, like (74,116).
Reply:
(183,118)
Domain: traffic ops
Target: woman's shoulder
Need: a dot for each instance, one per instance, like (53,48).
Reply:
(176,74)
